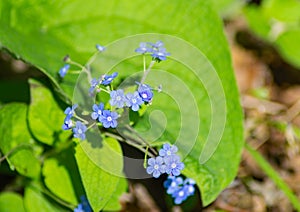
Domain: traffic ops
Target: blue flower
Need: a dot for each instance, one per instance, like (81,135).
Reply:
(173,183)
(84,206)
(108,119)
(97,111)
(156,166)
(173,165)
(79,130)
(134,101)
(144,48)
(190,185)
(63,71)
(70,111)
(117,98)
(107,79)
(160,54)
(179,189)
(145,92)
(157,45)
(100,48)
(168,150)
(180,195)
(94,83)
(68,123)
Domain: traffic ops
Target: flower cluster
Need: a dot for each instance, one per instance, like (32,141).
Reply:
(179,189)
(169,162)
(84,206)
(119,99)
(157,50)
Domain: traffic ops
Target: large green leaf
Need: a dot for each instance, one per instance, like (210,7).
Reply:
(45,116)
(34,201)
(62,177)
(16,140)
(10,201)
(201,65)
(100,169)
(114,202)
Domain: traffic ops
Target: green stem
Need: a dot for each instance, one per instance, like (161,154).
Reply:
(147,71)
(143,141)
(273,175)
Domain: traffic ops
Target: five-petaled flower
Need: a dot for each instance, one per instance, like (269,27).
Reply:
(109,119)
(156,166)
(179,189)
(145,92)
(173,165)
(117,98)
(160,54)
(97,111)
(168,150)
(144,48)
(79,130)
(134,101)
(107,79)
(63,71)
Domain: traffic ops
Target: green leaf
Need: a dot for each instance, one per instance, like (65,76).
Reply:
(34,201)
(114,202)
(286,11)
(62,176)
(206,91)
(289,46)
(100,168)
(10,201)
(16,140)
(45,116)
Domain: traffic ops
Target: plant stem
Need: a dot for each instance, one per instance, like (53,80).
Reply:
(147,71)
(273,175)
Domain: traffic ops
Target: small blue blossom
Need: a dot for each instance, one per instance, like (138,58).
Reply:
(70,111)
(172,184)
(190,185)
(179,189)
(157,45)
(117,98)
(94,83)
(68,123)
(107,79)
(156,166)
(145,92)
(63,71)
(109,119)
(100,48)
(84,206)
(180,195)
(168,150)
(173,165)
(97,111)
(134,101)
(79,130)
(160,54)
(144,48)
